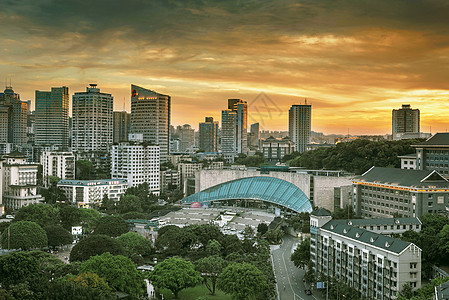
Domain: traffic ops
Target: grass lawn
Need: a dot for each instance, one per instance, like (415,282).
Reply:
(194,293)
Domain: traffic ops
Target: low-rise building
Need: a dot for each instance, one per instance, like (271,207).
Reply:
(275,149)
(375,265)
(170,179)
(90,193)
(386,192)
(19,181)
(59,164)
(442,291)
(408,161)
(187,170)
(433,154)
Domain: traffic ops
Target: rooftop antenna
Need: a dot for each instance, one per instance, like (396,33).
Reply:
(305,101)
(124,104)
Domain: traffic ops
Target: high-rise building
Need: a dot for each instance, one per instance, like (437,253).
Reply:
(122,122)
(208,135)
(241,107)
(13,118)
(186,136)
(299,126)
(150,116)
(228,132)
(59,164)
(254,138)
(404,120)
(92,113)
(52,117)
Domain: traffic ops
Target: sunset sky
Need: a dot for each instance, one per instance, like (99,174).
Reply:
(353,60)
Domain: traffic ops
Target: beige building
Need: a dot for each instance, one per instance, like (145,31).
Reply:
(19,181)
(60,164)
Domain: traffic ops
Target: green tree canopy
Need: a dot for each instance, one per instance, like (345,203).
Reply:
(262,228)
(112,226)
(301,256)
(175,274)
(85,170)
(17,268)
(242,281)
(210,268)
(57,236)
(70,216)
(95,245)
(24,235)
(42,214)
(135,244)
(129,203)
(119,272)
(89,218)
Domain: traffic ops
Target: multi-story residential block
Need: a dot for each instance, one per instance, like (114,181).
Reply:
(188,169)
(299,126)
(254,136)
(19,181)
(186,137)
(92,113)
(385,226)
(170,179)
(90,193)
(208,131)
(241,108)
(13,118)
(52,117)
(405,121)
(59,164)
(275,149)
(137,162)
(377,266)
(228,132)
(150,116)
(122,123)
(386,192)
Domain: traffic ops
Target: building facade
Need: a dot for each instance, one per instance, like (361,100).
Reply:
(208,135)
(170,179)
(376,266)
(92,113)
(19,181)
(52,117)
(254,138)
(137,163)
(241,138)
(186,137)
(387,192)
(300,126)
(121,126)
(433,154)
(274,149)
(228,132)
(150,116)
(90,193)
(404,120)
(188,169)
(59,164)
(13,118)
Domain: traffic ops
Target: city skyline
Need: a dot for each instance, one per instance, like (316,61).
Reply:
(353,63)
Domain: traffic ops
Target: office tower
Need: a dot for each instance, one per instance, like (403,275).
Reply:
(186,137)
(241,108)
(404,120)
(299,126)
(52,117)
(13,118)
(59,164)
(150,115)
(92,113)
(137,163)
(122,122)
(228,132)
(208,140)
(254,135)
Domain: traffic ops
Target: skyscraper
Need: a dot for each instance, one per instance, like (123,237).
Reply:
(299,126)
(405,120)
(255,135)
(241,107)
(186,136)
(150,116)
(13,114)
(52,117)
(122,123)
(92,120)
(228,132)
(208,135)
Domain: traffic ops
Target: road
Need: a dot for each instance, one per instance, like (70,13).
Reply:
(288,277)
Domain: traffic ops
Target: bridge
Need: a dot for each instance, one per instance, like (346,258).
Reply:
(268,189)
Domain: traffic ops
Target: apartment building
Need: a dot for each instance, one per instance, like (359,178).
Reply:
(60,164)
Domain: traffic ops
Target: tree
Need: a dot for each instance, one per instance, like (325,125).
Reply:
(57,236)
(17,268)
(89,218)
(301,256)
(134,244)
(95,245)
(119,272)
(42,214)
(262,228)
(406,291)
(112,226)
(85,170)
(343,213)
(248,232)
(132,215)
(309,277)
(443,236)
(241,280)
(210,268)
(107,204)
(274,236)
(24,235)
(129,203)
(175,274)
(213,248)
(54,195)
(70,216)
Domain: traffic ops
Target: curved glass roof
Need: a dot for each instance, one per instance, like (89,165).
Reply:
(269,189)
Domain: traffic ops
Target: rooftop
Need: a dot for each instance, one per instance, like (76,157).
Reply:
(321,212)
(438,139)
(367,237)
(403,177)
(381,221)
(91,182)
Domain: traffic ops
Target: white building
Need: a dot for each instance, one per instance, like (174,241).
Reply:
(19,181)
(408,162)
(299,126)
(92,120)
(60,164)
(188,169)
(137,163)
(376,266)
(90,193)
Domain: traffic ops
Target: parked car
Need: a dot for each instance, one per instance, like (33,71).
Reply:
(9,217)
(308,292)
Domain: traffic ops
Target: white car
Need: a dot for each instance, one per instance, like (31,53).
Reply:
(9,217)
